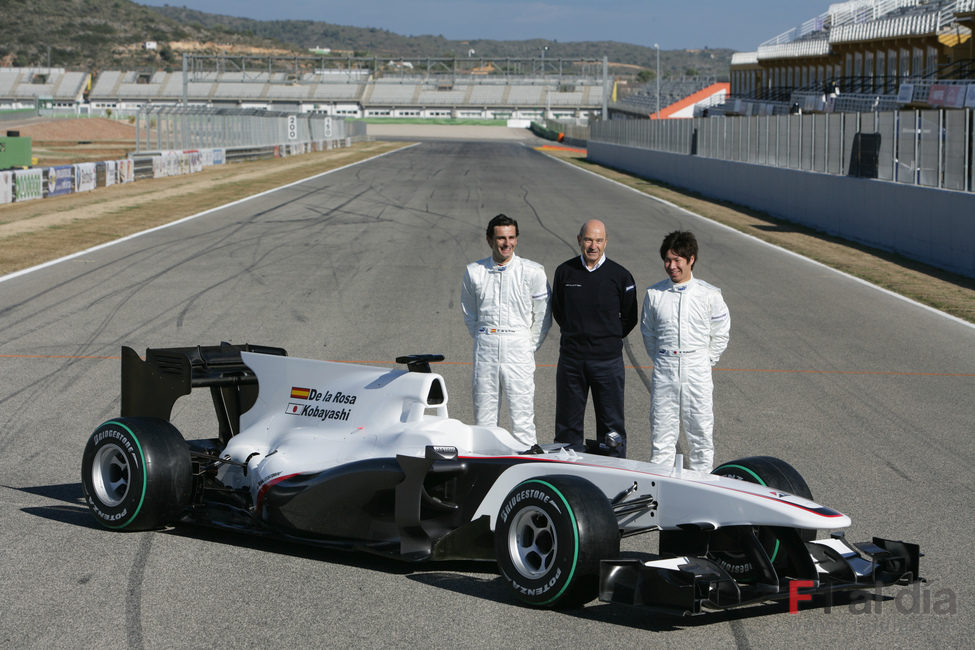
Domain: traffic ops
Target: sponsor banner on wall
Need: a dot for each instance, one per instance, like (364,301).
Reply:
(219,156)
(949,95)
(126,170)
(60,180)
(111,173)
(182,163)
(6,187)
(194,161)
(84,177)
(28,184)
(166,163)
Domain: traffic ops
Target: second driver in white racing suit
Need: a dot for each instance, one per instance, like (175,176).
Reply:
(686,326)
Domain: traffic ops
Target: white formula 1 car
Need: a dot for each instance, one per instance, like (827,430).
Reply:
(366,458)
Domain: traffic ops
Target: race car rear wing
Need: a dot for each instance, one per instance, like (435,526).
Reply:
(151,387)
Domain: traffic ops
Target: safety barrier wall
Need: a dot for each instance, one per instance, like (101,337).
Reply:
(38,183)
(933,148)
(933,226)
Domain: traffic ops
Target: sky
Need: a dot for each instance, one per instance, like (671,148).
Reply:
(689,24)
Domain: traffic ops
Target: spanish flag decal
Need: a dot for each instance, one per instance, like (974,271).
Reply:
(299,393)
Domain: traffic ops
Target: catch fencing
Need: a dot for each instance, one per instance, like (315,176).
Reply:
(168,128)
(930,148)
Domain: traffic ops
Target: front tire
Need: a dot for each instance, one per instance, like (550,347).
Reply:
(136,473)
(550,536)
(780,475)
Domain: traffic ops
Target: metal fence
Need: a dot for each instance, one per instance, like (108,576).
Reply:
(191,127)
(931,148)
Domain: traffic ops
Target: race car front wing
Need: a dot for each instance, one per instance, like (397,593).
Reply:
(688,585)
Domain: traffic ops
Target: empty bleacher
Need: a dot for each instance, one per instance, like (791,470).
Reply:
(643,99)
(414,94)
(25,87)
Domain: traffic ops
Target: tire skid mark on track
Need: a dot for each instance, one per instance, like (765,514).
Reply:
(55,377)
(133,593)
(225,240)
(739,634)
(129,292)
(139,256)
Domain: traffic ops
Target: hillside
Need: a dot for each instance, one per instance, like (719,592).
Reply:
(104,34)
(379,42)
(110,34)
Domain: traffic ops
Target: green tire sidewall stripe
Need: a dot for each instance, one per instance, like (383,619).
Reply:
(758,479)
(145,475)
(575,535)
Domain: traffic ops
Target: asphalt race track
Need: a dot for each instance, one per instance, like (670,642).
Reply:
(871,397)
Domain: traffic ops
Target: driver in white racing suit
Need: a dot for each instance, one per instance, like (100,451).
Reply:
(505,300)
(686,327)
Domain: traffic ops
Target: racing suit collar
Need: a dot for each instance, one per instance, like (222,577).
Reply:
(495,266)
(683,286)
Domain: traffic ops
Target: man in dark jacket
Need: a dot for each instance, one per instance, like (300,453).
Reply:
(594,303)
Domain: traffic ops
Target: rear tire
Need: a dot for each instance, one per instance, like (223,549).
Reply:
(550,536)
(136,473)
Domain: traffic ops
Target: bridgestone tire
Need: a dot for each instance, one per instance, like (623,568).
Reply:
(136,474)
(774,473)
(766,470)
(551,534)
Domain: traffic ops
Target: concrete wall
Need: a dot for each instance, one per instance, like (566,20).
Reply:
(933,226)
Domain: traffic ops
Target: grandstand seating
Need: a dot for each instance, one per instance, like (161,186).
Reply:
(643,99)
(855,57)
(489,94)
(25,87)
(347,93)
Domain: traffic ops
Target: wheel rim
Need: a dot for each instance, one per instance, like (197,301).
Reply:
(532,542)
(110,473)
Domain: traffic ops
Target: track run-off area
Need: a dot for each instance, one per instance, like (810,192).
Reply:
(868,395)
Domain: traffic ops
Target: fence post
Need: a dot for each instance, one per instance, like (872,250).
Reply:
(969,182)
(916,169)
(941,148)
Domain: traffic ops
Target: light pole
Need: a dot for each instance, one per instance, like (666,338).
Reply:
(657,46)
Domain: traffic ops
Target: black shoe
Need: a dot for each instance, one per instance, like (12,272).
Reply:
(534,450)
